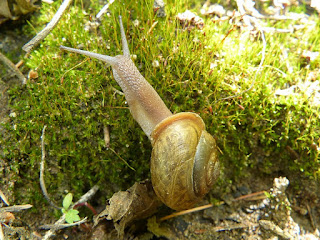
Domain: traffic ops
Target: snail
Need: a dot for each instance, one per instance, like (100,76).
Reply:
(184,162)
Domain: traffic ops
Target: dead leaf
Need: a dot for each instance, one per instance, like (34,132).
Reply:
(24,6)
(4,9)
(16,9)
(138,202)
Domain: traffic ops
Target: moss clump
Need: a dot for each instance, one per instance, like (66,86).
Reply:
(75,97)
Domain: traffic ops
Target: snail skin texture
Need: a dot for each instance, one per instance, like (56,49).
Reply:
(184,162)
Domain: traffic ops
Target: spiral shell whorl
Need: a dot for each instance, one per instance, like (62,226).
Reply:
(178,142)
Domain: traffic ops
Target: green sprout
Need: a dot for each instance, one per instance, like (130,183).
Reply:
(72,215)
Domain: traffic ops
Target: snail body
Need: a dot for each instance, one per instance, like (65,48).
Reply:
(184,163)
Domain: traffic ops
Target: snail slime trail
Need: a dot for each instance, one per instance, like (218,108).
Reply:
(184,159)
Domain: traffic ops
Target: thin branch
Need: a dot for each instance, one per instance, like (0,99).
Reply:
(52,231)
(1,233)
(15,208)
(311,217)
(152,27)
(62,226)
(42,183)
(235,226)
(4,199)
(87,196)
(196,209)
(44,32)
(252,196)
(104,10)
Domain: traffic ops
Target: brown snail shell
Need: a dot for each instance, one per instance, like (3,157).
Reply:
(184,162)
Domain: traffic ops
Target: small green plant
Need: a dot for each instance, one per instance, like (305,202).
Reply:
(72,215)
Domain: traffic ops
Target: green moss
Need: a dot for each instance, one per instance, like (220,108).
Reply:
(74,96)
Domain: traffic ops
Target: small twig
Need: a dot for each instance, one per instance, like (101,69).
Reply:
(152,27)
(232,227)
(61,226)
(42,183)
(1,233)
(87,196)
(52,231)
(44,32)
(4,199)
(19,64)
(104,10)
(15,208)
(106,134)
(196,209)
(13,68)
(311,217)
(252,196)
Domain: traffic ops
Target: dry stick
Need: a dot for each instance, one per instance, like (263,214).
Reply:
(211,205)
(4,199)
(252,196)
(106,134)
(87,196)
(236,226)
(187,211)
(13,68)
(15,208)
(1,233)
(104,9)
(152,27)
(44,32)
(42,183)
(62,226)
(311,217)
